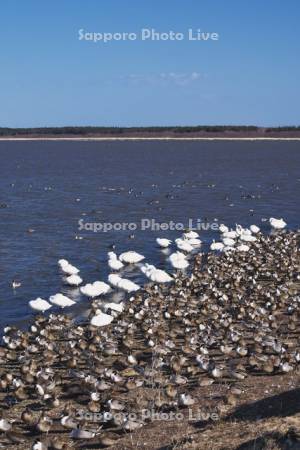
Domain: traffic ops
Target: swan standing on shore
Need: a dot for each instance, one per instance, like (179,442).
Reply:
(255,229)
(101,319)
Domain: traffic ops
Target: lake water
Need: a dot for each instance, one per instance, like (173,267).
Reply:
(49,187)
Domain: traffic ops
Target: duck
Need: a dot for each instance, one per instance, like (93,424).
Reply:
(16,284)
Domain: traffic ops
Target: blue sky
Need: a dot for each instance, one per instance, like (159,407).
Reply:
(48,77)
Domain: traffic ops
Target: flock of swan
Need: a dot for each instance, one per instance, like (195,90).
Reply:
(238,239)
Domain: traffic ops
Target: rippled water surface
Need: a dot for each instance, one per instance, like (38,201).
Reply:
(47,187)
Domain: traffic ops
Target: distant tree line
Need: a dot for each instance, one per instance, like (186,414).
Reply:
(87,131)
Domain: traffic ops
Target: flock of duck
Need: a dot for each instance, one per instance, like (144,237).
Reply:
(220,316)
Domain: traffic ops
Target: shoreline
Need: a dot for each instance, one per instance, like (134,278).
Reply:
(157,138)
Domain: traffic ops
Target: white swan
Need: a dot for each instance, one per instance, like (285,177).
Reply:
(74,280)
(113,262)
(163,243)
(232,234)
(101,319)
(61,300)
(228,242)
(156,275)
(131,257)
(95,289)
(217,246)
(195,242)
(178,260)
(248,238)
(243,248)
(39,305)
(277,224)
(62,262)
(69,269)
(122,283)
(255,229)
(118,307)
(191,235)
(223,228)
(184,245)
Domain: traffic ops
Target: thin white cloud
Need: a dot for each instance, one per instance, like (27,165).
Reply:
(164,78)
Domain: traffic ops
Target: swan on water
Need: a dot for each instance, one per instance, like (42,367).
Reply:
(178,260)
(69,269)
(156,275)
(163,243)
(39,305)
(113,262)
(223,228)
(95,289)
(232,234)
(122,283)
(195,242)
(191,235)
(217,246)
(277,224)
(228,242)
(74,280)
(184,245)
(131,257)
(61,300)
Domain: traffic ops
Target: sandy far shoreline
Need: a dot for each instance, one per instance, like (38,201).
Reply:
(149,139)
